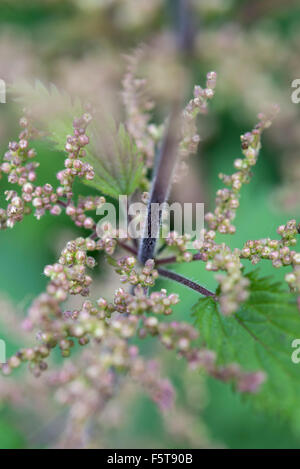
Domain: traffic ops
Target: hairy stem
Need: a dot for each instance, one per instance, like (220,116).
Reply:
(160,187)
(185,281)
(166,163)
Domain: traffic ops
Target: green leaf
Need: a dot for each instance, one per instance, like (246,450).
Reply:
(259,337)
(53,109)
(115,158)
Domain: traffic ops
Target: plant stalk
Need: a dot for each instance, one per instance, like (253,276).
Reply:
(185,281)
(160,187)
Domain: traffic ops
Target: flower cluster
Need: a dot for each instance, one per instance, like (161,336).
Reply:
(289,233)
(74,164)
(87,387)
(138,106)
(147,276)
(69,274)
(233,286)
(181,336)
(180,245)
(84,204)
(108,326)
(190,138)
(159,389)
(278,252)
(227,200)
(21,170)
(139,303)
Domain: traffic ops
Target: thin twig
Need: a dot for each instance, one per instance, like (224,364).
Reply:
(185,281)
(166,260)
(125,246)
(128,248)
(173,259)
(62,203)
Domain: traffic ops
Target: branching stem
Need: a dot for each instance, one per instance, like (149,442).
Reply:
(128,248)
(185,281)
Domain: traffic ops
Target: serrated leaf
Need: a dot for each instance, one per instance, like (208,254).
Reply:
(54,109)
(259,337)
(115,158)
(62,124)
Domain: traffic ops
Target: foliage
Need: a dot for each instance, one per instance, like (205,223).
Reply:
(244,327)
(117,162)
(112,152)
(259,335)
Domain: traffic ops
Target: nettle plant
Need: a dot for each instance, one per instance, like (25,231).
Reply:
(241,333)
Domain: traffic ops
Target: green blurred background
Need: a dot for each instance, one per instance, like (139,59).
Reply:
(254,47)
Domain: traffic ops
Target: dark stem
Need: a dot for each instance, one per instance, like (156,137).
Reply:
(186,29)
(185,281)
(160,187)
(62,203)
(128,248)
(173,259)
(167,158)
